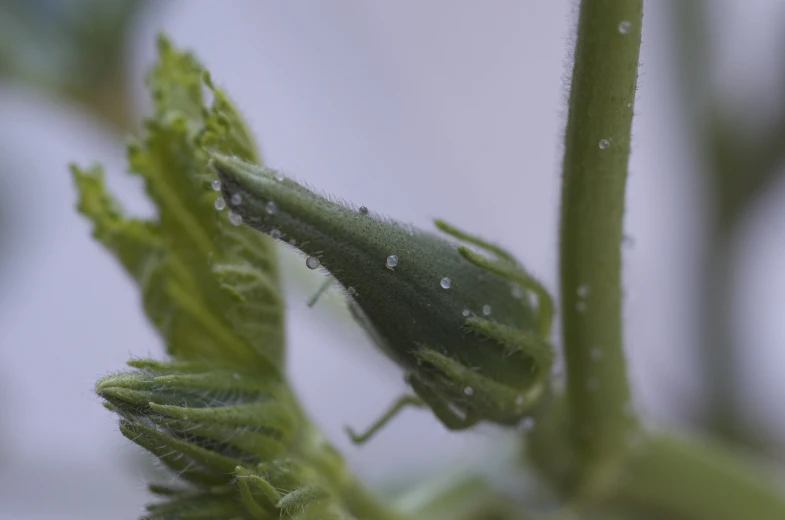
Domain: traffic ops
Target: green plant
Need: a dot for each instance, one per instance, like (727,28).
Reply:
(461,323)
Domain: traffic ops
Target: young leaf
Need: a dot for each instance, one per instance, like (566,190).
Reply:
(210,287)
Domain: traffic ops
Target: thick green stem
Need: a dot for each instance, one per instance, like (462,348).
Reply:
(597,147)
(698,481)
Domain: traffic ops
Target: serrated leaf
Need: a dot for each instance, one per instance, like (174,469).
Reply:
(210,288)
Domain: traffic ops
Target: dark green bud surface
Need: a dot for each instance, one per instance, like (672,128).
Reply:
(461,324)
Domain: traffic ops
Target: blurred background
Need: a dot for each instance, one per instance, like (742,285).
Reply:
(417,110)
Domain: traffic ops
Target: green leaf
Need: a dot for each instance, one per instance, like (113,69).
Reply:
(210,288)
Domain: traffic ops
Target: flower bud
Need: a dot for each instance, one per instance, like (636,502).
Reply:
(202,423)
(461,324)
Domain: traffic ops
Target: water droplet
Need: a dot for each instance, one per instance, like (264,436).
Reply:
(363,210)
(468,390)
(581,307)
(392,261)
(527,424)
(446,283)
(583,290)
(219,203)
(236,199)
(275,234)
(625,26)
(352,291)
(604,144)
(517,292)
(216,185)
(312,262)
(235,218)
(466,313)
(592,384)
(595,354)
(486,310)
(629,105)
(271,208)
(279,176)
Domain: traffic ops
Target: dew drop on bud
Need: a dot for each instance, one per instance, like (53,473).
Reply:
(352,291)
(235,218)
(392,261)
(604,144)
(312,262)
(216,185)
(527,424)
(466,313)
(275,234)
(236,199)
(271,208)
(468,390)
(583,291)
(517,292)
(486,310)
(279,176)
(446,283)
(219,203)
(624,26)
(363,210)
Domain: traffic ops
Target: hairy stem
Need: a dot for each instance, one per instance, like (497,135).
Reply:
(696,481)
(597,147)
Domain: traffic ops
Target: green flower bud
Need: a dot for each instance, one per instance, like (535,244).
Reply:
(202,423)
(461,324)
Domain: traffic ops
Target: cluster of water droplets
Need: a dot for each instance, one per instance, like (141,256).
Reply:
(583,293)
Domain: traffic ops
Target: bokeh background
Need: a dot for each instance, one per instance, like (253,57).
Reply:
(418,110)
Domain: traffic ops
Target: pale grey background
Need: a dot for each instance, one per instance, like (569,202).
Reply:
(414,109)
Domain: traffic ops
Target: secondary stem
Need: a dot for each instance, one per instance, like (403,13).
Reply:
(698,480)
(597,147)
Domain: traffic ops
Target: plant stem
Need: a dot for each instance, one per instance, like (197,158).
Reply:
(698,480)
(357,499)
(597,147)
